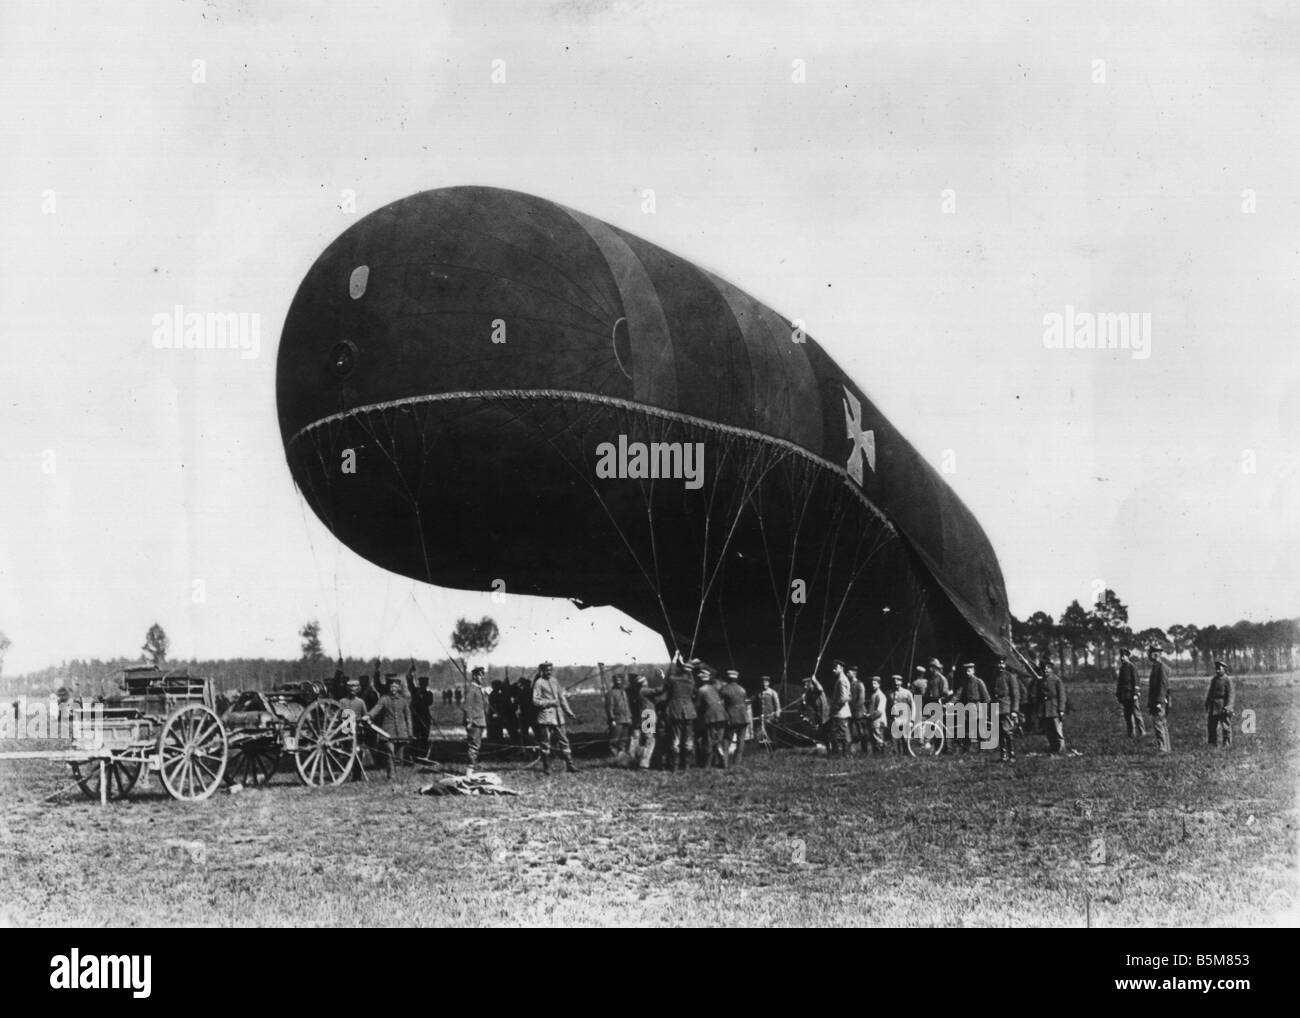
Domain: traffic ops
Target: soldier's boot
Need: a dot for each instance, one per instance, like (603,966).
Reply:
(568,765)
(683,759)
(546,764)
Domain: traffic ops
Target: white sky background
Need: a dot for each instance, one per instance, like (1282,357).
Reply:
(822,199)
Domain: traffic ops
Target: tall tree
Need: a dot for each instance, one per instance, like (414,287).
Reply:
(155,645)
(312,652)
(4,646)
(471,638)
(1183,638)
(1108,625)
(1073,633)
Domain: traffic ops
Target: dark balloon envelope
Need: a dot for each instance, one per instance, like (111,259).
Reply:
(476,349)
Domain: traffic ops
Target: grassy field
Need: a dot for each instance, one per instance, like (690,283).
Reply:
(1117,836)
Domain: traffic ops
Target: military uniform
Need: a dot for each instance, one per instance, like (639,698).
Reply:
(1218,711)
(1128,691)
(645,738)
(858,727)
(708,705)
(679,713)
(736,704)
(1006,691)
(474,716)
(357,706)
(1158,705)
(619,716)
(1049,706)
(392,714)
(876,719)
(816,709)
(973,690)
(550,705)
(900,717)
(936,687)
(841,714)
(769,709)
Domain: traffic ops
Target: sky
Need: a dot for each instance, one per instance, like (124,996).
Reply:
(943,179)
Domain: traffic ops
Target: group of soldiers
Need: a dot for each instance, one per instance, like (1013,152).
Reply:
(877,717)
(698,717)
(1219,703)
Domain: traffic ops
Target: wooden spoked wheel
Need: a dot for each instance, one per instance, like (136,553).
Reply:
(122,776)
(192,753)
(326,744)
(253,762)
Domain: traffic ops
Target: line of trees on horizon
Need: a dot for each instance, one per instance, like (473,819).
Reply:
(468,640)
(1085,642)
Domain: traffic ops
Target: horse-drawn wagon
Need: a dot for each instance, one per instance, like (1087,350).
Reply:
(168,723)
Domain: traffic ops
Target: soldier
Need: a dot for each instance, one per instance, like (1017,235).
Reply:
(709,709)
(1049,706)
(841,711)
(936,684)
(351,701)
(619,716)
(421,708)
(1158,699)
(919,683)
(339,683)
(523,697)
(368,692)
(647,721)
(550,706)
(769,709)
(474,717)
(1128,691)
(679,711)
(901,710)
(1218,707)
(859,728)
(392,716)
(816,709)
(501,703)
(971,690)
(1006,691)
(877,717)
(735,703)
(1026,699)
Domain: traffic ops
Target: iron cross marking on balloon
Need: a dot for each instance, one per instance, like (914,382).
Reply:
(864,442)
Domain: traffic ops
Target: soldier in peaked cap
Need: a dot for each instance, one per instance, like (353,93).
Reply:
(679,715)
(918,683)
(769,708)
(841,709)
(474,717)
(551,705)
(1128,691)
(1006,691)
(1049,707)
(859,729)
(709,708)
(971,690)
(1158,699)
(735,702)
(1218,707)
